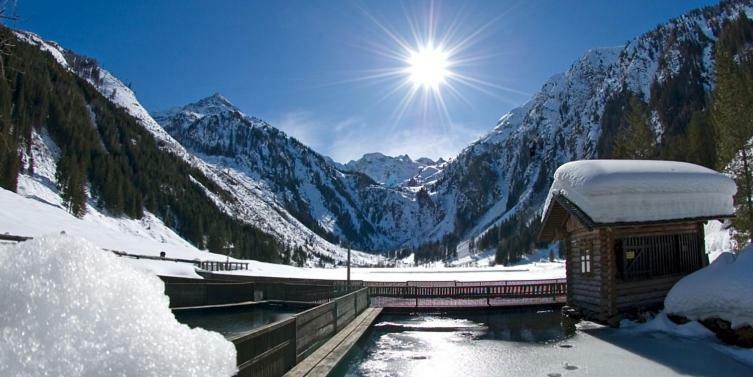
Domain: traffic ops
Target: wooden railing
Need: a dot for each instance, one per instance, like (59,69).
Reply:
(222,266)
(272,350)
(195,292)
(466,294)
(267,351)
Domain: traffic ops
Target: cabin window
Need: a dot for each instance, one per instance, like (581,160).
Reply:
(585,261)
(647,257)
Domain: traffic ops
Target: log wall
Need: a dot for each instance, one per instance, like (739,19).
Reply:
(585,290)
(600,293)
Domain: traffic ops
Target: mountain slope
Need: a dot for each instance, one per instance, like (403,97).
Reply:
(60,132)
(395,171)
(338,204)
(228,192)
(664,76)
(493,191)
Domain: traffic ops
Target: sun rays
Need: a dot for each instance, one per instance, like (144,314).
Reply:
(431,63)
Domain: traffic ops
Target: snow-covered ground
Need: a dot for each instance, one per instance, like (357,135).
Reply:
(662,327)
(69,309)
(720,290)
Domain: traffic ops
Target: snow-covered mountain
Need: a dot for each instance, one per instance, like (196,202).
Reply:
(500,179)
(396,171)
(249,202)
(504,176)
(499,182)
(339,204)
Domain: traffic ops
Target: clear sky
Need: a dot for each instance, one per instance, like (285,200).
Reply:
(330,72)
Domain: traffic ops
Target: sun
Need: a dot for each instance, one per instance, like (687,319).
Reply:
(428,67)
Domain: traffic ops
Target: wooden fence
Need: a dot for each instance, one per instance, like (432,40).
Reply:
(193,292)
(443,294)
(209,265)
(274,349)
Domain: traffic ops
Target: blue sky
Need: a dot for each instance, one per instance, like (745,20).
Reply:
(304,65)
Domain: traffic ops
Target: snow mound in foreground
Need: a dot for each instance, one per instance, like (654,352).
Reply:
(720,290)
(611,191)
(70,309)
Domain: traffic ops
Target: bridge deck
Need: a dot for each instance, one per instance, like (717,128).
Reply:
(321,362)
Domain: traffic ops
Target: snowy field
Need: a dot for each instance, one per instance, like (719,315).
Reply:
(38,212)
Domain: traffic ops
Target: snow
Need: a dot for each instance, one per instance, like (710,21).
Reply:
(692,330)
(661,323)
(611,191)
(719,290)
(40,214)
(51,47)
(71,310)
(718,237)
(393,171)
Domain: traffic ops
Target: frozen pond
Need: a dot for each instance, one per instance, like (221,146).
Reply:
(233,321)
(526,343)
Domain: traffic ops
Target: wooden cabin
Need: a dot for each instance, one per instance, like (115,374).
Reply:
(631,229)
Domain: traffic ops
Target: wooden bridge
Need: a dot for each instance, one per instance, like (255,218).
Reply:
(460,294)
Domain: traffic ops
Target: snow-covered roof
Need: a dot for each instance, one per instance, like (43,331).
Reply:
(635,191)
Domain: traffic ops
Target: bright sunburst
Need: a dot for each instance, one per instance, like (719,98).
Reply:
(428,67)
(435,61)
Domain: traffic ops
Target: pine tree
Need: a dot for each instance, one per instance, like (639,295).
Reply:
(635,139)
(732,116)
(700,149)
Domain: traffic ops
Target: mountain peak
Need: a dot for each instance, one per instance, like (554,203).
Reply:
(212,104)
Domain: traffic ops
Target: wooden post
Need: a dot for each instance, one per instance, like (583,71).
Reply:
(348,267)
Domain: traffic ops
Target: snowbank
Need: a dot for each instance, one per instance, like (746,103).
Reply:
(662,323)
(69,309)
(720,290)
(692,330)
(612,191)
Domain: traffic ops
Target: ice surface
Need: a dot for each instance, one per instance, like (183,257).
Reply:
(69,309)
(513,346)
(721,290)
(636,190)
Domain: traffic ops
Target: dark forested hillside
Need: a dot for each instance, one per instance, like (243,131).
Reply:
(106,155)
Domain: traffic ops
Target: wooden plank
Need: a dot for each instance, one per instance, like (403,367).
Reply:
(334,358)
(320,362)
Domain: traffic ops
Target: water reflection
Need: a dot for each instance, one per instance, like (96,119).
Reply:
(447,345)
